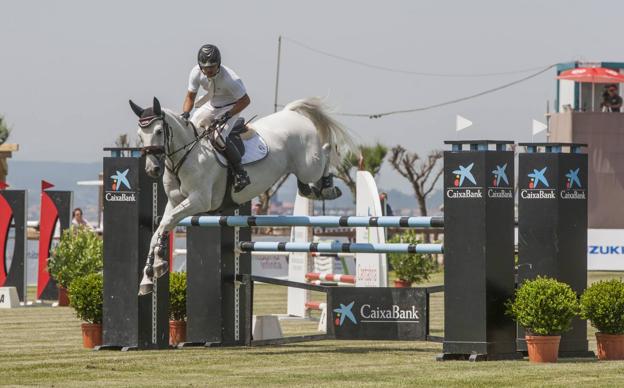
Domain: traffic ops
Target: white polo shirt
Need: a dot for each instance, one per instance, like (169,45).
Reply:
(223,89)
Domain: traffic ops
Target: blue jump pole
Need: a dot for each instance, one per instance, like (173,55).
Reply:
(324,221)
(334,247)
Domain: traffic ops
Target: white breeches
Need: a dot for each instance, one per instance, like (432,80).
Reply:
(204,116)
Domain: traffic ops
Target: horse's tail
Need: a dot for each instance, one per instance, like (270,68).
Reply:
(330,130)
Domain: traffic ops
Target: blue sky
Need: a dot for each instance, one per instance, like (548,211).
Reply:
(69,67)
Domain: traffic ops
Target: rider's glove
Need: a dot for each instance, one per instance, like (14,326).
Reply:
(224,118)
(185,115)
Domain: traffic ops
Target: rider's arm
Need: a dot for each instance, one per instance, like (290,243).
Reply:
(189,100)
(241,104)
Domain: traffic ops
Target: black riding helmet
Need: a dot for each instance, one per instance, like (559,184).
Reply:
(208,55)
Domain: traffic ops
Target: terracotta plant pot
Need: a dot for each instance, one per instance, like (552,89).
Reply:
(177,332)
(63,298)
(91,335)
(543,348)
(400,283)
(610,346)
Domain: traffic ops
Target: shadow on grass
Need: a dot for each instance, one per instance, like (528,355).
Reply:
(573,360)
(319,347)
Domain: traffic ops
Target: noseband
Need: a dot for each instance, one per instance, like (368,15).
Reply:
(157,151)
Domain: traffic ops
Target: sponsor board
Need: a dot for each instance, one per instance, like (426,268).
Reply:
(378,313)
(605,249)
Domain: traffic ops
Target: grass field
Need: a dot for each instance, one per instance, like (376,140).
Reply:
(42,346)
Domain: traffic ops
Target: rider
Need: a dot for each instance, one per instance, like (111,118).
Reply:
(225,98)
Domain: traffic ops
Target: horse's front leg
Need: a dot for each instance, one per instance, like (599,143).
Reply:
(156,265)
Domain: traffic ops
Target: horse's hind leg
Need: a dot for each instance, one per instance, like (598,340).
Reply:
(325,185)
(323,188)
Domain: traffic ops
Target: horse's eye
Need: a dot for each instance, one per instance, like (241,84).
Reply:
(158,131)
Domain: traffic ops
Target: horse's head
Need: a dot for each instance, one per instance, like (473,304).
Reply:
(153,132)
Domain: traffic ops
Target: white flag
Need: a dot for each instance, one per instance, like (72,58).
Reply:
(538,127)
(462,123)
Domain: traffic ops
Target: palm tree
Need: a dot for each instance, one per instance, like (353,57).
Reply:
(5,131)
(369,158)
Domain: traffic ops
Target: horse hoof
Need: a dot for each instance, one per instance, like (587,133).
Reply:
(161,267)
(146,289)
(331,193)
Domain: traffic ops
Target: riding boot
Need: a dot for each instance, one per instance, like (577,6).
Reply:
(241,179)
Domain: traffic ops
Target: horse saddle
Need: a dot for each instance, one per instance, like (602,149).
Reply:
(250,144)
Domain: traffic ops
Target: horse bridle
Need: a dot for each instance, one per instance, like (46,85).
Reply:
(157,151)
(162,150)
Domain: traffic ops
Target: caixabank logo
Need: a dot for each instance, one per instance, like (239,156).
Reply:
(118,188)
(343,312)
(573,187)
(369,313)
(538,186)
(500,187)
(464,184)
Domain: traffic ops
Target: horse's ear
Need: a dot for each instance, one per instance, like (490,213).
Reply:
(136,109)
(157,110)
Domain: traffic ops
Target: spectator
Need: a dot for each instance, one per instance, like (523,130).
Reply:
(257,208)
(78,219)
(386,210)
(611,99)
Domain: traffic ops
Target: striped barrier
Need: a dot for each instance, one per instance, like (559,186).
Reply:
(330,284)
(315,305)
(321,221)
(330,277)
(331,247)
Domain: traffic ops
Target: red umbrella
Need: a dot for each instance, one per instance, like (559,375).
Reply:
(593,75)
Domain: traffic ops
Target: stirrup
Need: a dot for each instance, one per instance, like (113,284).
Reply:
(241,180)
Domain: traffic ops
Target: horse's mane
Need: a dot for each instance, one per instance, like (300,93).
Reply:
(330,130)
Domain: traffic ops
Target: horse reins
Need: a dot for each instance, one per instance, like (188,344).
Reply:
(158,150)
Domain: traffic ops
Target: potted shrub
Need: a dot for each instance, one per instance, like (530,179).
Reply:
(545,307)
(177,308)
(603,304)
(410,267)
(79,252)
(86,296)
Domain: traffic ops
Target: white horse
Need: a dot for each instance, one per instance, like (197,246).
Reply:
(302,139)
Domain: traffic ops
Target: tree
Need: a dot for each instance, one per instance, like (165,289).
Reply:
(122,141)
(5,131)
(369,158)
(422,174)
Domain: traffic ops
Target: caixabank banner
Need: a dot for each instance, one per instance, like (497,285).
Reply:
(377,313)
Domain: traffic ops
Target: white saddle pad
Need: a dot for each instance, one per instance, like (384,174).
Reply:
(256,149)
